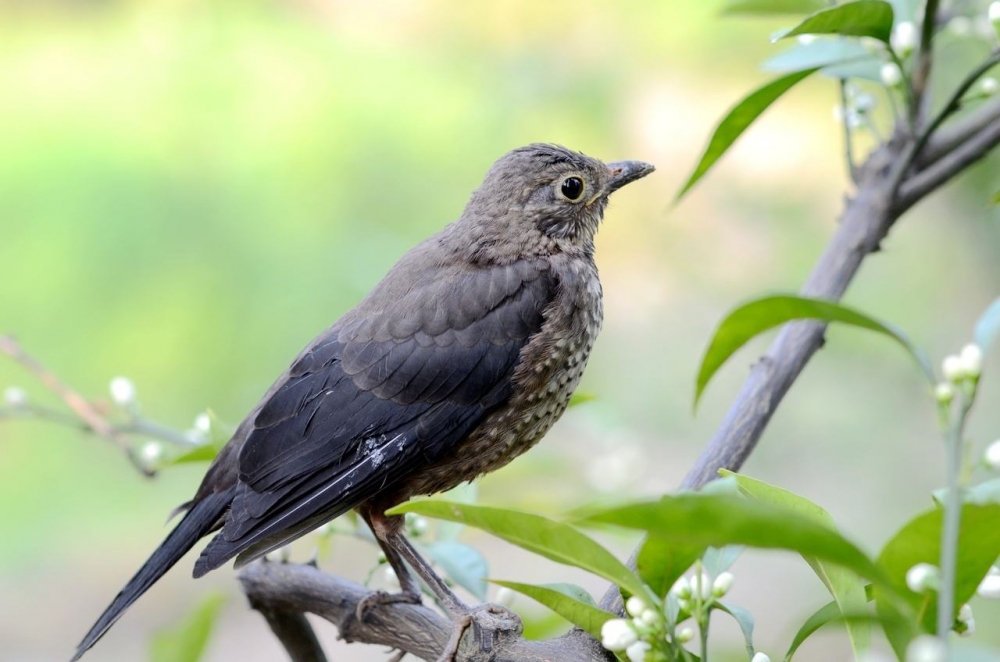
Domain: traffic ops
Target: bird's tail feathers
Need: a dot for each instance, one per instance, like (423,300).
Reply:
(199,521)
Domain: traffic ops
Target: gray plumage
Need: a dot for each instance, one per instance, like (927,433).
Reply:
(459,360)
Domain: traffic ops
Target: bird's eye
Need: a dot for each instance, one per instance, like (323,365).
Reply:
(572,188)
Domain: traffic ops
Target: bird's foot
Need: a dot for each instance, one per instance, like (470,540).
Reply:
(380,598)
(487,618)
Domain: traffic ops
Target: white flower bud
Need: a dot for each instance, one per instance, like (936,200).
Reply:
(203,423)
(505,596)
(953,369)
(702,585)
(865,103)
(635,606)
(989,86)
(760,657)
(890,74)
(15,396)
(944,393)
(993,13)
(922,577)
(722,584)
(681,588)
(617,634)
(969,628)
(904,37)
(684,635)
(926,648)
(990,586)
(151,452)
(637,651)
(971,357)
(992,455)
(122,391)
(965,613)
(684,604)
(649,618)
(805,39)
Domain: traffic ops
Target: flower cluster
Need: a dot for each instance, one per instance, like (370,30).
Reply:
(635,636)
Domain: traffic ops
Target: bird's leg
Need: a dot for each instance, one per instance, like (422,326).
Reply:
(389,531)
(409,591)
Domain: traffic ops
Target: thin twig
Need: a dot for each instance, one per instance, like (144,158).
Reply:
(80,406)
(924,60)
(852,170)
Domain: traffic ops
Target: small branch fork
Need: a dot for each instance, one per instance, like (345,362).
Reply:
(894,177)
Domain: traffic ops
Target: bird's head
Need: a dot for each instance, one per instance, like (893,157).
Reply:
(548,193)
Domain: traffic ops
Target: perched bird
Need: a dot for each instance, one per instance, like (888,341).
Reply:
(458,361)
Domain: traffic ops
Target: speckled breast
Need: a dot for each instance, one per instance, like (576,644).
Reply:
(550,369)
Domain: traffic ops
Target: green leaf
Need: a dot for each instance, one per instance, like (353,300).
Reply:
(995,199)
(219,433)
(723,520)
(820,53)
(988,326)
(771,7)
(759,315)
(580,397)
(463,564)
(828,614)
(568,600)
(861,18)
(870,69)
(739,118)
(717,560)
(464,493)
(744,619)
(186,641)
(847,590)
(553,540)
(662,561)
(919,541)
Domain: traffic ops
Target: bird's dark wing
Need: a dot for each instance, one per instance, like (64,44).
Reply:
(383,393)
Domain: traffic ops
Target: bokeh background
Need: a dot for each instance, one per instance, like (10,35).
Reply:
(190,190)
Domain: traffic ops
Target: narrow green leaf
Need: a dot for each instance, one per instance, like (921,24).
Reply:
(828,614)
(580,397)
(861,18)
(661,562)
(865,69)
(186,641)
(568,601)
(919,541)
(462,563)
(771,7)
(722,520)
(717,560)
(219,433)
(820,53)
(744,619)
(553,540)
(739,118)
(759,315)
(847,590)
(988,326)
(995,199)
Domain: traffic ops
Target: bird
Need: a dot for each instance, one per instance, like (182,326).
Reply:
(460,359)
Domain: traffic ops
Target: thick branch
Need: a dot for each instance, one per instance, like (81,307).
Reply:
(283,592)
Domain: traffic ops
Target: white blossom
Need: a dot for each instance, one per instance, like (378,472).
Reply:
(649,617)
(953,368)
(681,588)
(684,635)
(989,86)
(994,12)
(122,391)
(805,39)
(922,577)
(864,102)
(890,74)
(969,628)
(637,651)
(702,585)
(722,584)
(203,423)
(944,393)
(926,648)
(971,357)
(965,613)
(504,596)
(990,586)
(760,657)
(992,455)
(904,37)
(635,606)
(15,396)
(617,634)
(151,452)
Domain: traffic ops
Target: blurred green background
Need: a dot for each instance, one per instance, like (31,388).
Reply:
(190,190)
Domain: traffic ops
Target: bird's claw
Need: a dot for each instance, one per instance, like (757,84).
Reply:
(488,616)
(380,598)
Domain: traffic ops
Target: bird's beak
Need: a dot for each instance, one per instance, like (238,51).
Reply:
(621,173)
